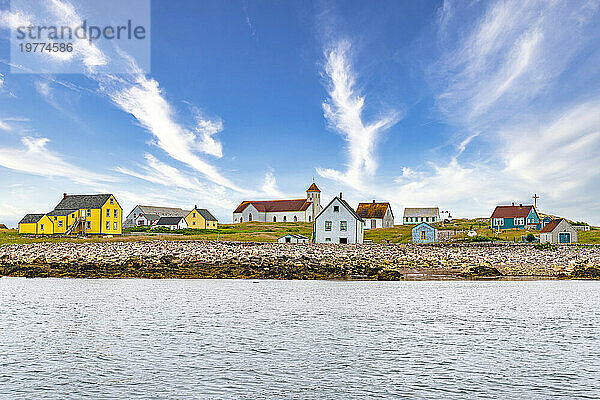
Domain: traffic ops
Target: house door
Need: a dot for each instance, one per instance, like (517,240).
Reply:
(564,237)
(343,240)
(373,224)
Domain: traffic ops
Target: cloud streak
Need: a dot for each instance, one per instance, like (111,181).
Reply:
(34,157)
(343,111)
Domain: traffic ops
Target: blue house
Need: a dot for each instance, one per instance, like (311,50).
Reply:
(515,217)
(424,233)
(545,221)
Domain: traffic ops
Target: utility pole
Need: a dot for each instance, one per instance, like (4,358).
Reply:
(535,197)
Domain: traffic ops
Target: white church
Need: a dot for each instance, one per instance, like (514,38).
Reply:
(295,210)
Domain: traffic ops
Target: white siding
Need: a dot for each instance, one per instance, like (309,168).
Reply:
(354,233)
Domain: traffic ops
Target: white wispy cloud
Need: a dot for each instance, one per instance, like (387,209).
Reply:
(4,126)
(503,84)
(343,111)
(269,187)
(34,157)
(142,97)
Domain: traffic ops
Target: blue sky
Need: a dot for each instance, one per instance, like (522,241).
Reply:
(461,105)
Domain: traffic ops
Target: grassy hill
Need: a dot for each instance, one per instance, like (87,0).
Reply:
(270,231)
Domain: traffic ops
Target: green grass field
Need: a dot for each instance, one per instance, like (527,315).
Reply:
(270,231)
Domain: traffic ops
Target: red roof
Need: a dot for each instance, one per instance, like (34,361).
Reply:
(512,211)
(550,226)
(313,188)
(275,205)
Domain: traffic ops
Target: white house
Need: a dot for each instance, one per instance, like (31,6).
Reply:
(292,238)
(414,216)
(558,231)
(376,215)
(296,210)
(149,215)
(171,222)
(338,223)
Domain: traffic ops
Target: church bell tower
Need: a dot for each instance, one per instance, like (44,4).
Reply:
(313,194)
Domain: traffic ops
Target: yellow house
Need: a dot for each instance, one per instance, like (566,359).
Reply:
(36,224)
(201,218)
(95,214)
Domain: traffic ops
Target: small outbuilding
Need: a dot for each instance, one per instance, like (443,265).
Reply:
(292,238)
(424,233)
(172,223)
(558,231)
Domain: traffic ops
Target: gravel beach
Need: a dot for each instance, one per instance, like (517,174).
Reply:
(211,259)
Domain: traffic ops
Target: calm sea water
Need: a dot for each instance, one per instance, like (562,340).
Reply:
(233,339)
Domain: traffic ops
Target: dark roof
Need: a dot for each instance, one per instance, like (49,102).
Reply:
(169,220)
(2,226)
(550,226)
(163,211)
(31,218)
(421,212)
(294,235)
(345,204)
(313,188)
(79,201)
(275,205)
(511,211)
(206,214)
(151,217)
(60,213)
(372,210)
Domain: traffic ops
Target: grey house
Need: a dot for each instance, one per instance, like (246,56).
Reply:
(376,215)
(558,231)
(414,216)
(338,223)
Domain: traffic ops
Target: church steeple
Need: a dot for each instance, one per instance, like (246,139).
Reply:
(313,194)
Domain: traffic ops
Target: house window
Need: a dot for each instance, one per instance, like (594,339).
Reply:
(193,215)
(423,235)
(116,213)
(498,221)
(327,226)
(288,239)
(108,213)
(115,225)
(284,218)
(328,239)
(343,226)
(60,224)
(89,212)
(274,219)
(250,217)
(193,222)
(133,215)
(373,223)
(309,218)
(241,219)
(336,208)
(343,240)
(107,226)
(42,226)
(112,201)
(88,225)
(519,221)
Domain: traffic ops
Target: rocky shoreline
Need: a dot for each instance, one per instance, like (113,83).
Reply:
(212,259)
